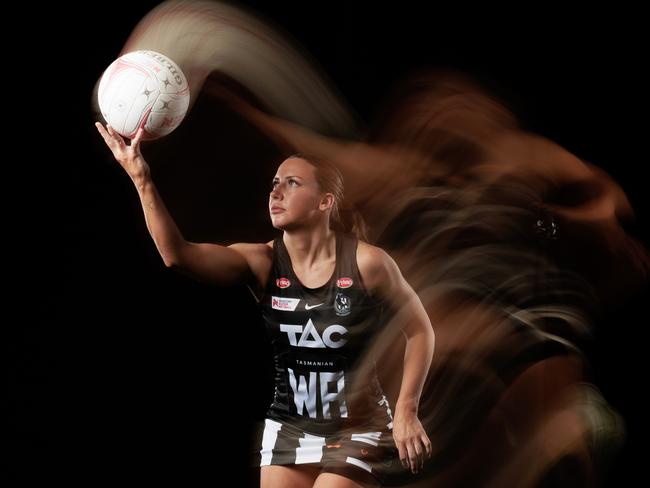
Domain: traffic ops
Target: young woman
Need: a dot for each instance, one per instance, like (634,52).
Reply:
(321,291)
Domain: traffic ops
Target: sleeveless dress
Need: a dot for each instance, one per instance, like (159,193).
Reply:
(328,407)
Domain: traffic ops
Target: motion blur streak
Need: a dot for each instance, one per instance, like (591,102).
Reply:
(514,245)
(208,37)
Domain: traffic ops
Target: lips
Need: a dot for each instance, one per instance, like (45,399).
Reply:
(277,209)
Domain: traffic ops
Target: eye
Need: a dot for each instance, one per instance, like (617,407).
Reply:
(290,182)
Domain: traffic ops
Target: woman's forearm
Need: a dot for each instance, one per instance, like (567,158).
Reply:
(161,226)
(417,360)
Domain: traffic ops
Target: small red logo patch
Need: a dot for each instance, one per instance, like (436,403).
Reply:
(282,282)
(364,452)
(344,282)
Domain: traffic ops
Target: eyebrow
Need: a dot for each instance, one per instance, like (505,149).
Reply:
(286,177)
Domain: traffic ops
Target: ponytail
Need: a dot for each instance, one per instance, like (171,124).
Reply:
(351,221)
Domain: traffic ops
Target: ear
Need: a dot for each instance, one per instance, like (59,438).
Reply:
(327,201)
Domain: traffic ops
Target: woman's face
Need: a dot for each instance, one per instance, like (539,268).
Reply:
(295,199)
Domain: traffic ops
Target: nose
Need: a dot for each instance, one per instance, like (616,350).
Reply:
(275,192)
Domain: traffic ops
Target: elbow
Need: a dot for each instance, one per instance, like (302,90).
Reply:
(430,335)
(171,261)
(172,256)
(423,335)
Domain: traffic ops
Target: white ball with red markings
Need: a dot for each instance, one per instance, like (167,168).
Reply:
(143,89)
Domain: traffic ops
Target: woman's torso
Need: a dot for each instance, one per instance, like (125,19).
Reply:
(324,378)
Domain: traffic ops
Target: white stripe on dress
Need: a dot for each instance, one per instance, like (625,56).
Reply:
(310,450)
(271,428)
(358,462)
(371,438)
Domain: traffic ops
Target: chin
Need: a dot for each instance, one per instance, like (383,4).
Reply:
(278,225)
(283,225)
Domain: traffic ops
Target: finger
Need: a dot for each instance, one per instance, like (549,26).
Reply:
(421,450)
(115,135)
(135,142)
(427,445)
(403,455)
(413,456)
(110,141)
(102,131)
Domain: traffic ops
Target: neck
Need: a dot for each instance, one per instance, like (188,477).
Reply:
(309,247)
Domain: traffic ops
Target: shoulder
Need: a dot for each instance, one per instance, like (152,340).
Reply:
(376,266)
(258,256)
(381,274)
(369,257)
(256,250)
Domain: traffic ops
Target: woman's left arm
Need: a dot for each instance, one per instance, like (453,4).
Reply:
(410,437)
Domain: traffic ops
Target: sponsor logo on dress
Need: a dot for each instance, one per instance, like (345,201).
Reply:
(344,282)
(283,282)
(331,336)
(309,307)
(288,304)
(342,304)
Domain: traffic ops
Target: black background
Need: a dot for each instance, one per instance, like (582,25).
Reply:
(113,373)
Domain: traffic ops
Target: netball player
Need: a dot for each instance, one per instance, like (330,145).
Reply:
(322,291)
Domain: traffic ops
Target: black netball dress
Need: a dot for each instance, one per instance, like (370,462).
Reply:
(328,406)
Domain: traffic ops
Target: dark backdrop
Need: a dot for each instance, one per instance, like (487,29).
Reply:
(122,369)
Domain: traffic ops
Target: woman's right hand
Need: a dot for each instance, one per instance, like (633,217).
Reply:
(129,156)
